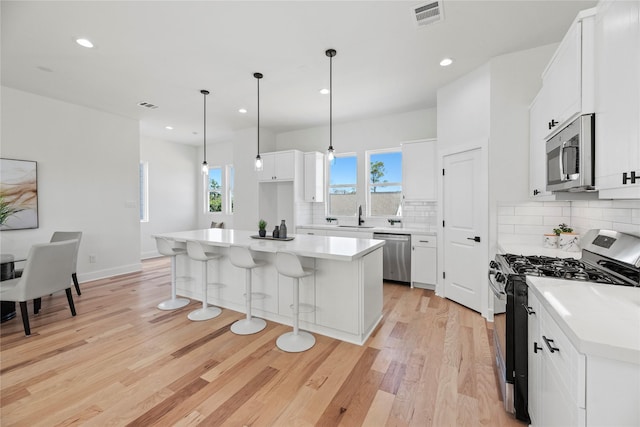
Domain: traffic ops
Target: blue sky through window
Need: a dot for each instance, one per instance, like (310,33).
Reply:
(392,165)
(343,171)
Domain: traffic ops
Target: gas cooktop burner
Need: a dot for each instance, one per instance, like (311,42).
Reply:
(563,268)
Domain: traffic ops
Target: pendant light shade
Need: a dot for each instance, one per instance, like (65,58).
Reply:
(330,152)
(205,165)
(258,165)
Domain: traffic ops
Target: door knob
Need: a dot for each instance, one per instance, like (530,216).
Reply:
(475,239)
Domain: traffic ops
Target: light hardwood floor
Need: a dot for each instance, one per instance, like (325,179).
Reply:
(121,361)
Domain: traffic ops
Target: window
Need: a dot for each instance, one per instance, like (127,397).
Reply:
(343,178)
(385,182)
(219,191)
(214,189)
(144,191)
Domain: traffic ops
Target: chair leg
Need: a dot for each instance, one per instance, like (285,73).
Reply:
(70,299)
(76,284)
(25,318)
(37,304)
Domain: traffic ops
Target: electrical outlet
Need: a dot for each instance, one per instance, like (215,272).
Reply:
(92,259)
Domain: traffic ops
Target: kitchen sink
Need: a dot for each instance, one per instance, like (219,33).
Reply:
(356,226)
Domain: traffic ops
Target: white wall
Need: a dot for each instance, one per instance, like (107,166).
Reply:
(87,179)
(173,179)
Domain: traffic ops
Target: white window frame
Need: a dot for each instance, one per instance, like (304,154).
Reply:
(144,191)
(226,192)
(329,186)
(367,168)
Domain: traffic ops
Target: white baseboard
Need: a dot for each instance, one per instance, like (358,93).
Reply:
(110,272)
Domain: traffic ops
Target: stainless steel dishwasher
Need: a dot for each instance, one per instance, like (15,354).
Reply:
(396,264)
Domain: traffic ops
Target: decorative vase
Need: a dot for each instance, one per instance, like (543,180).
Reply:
(550,241)
(262,232)
(569,242)
(283,230)
(276,233)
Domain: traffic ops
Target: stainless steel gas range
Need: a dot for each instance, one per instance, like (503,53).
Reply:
(608,257)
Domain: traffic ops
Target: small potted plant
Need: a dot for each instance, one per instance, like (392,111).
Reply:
(262,228)
(567,239)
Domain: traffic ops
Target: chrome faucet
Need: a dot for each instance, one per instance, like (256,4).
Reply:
(360,220)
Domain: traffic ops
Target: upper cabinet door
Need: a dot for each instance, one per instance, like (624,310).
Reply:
(618,99)
(277,166)
(313,177)
(537,149)
(562,80)
(419,170)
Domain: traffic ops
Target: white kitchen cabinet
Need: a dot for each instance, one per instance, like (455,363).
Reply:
(537,149)
(568,80)
(419,170)
(314,177)
(557,394)
(277,166)
(618,99)
(423,261)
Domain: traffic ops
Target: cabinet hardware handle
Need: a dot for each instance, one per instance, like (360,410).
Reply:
(630,177)
(550,344)
(536,347)
(475,239)
(424,241)
(528,309)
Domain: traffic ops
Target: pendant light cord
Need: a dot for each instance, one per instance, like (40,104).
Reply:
(331,101)
(205,126)
(258,80)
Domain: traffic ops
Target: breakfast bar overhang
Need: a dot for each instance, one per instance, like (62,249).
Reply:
(342,299)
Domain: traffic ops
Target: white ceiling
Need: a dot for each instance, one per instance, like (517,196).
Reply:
(164,52)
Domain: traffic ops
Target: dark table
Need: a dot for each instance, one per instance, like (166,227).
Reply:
(7,271)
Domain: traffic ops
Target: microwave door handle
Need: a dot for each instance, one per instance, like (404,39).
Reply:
(563,176)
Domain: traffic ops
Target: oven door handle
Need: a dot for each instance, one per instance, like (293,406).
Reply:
(499,293)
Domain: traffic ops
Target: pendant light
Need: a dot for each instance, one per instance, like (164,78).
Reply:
(258,165)
(205,165)
(330,53)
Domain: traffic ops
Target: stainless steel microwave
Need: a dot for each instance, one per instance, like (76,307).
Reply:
(570,156)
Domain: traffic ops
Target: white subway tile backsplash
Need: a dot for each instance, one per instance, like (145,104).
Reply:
(529,220)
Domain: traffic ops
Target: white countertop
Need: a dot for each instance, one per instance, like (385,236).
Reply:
(395,229)
(335,248)
(599,319)
(520,249)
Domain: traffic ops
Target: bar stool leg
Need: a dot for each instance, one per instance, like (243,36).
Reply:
(296,341)
(249,325)
(173,303)
(206,312)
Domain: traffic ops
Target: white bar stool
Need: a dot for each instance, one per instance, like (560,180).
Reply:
(172,249)
(288,264)
(197,252)
(241,257)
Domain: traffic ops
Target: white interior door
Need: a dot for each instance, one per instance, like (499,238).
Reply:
(465,209)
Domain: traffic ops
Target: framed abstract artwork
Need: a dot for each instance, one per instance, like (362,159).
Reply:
(18,194)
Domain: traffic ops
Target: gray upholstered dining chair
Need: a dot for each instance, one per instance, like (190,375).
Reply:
(60,236)
(47,270)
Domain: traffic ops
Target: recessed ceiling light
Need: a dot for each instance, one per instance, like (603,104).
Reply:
(324,91)
(242,111)
(168,127)
(84,43)
(446,62)
(45,69)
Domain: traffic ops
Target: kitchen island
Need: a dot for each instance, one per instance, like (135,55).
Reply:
(342,299)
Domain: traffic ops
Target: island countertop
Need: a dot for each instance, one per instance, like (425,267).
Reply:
(323,247)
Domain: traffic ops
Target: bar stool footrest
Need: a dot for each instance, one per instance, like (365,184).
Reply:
(304,308)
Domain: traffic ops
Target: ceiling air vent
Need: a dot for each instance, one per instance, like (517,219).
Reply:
(427,13)
(147,105)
